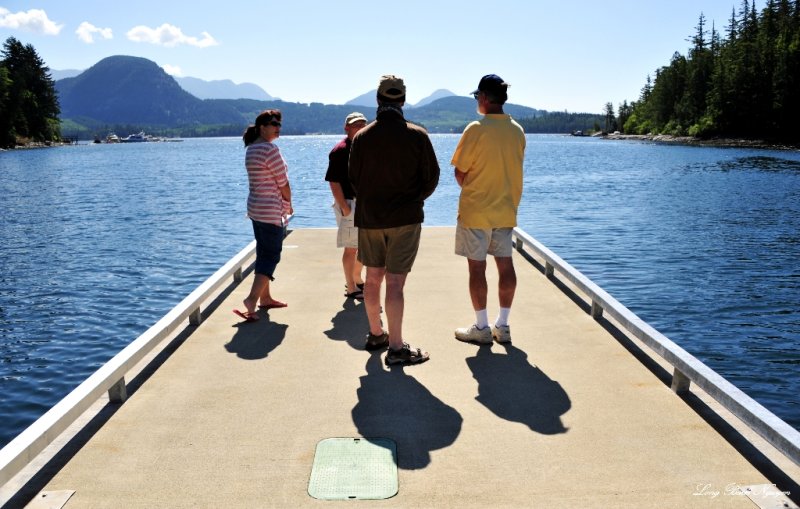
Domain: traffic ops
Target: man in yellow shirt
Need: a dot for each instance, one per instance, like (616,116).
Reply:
(488,166)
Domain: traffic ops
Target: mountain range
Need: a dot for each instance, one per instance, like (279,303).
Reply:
(222,89)
(127,93)
(368,99)
(227,89)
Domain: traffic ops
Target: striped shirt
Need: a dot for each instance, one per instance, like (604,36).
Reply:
(267,172)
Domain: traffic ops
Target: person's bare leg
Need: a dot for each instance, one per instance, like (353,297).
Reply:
(260,285)
(372,298)
(395,304)
(358,268)
(265,299)
(478,289)
(348,264)
(507,284)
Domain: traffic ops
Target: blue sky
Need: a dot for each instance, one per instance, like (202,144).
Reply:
(573,56)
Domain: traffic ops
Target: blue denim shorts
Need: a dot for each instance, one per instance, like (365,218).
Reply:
(269,243)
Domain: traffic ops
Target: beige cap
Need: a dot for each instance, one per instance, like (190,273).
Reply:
(392,87)
(354,117)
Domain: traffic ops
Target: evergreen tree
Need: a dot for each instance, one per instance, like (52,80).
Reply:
(611,123)
(668,90)
(6,135)
(623,114)
(699,69)
(32,106)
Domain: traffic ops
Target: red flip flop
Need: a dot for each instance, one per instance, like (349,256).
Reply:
(248,316)
(274,305)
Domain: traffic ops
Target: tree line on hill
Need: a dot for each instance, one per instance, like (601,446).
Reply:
(29,107)
(744,85)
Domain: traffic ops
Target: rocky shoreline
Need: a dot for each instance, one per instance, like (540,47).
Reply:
(710,142)
(39,144)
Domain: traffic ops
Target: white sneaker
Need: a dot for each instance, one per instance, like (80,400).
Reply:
(501,333)
(473,334)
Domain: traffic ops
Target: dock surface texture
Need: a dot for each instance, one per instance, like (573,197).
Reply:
(565,416)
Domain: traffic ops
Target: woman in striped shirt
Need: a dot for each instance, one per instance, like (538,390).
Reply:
(268,205)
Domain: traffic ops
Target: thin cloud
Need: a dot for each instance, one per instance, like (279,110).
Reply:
(169,36)
(86,32)
(172,70)
(34,20)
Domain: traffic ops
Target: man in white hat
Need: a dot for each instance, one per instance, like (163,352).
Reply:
(344,206)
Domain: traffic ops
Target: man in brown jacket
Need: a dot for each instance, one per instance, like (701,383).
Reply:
(393,169)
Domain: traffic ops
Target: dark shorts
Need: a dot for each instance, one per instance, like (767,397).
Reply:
(392,248)
(269,242)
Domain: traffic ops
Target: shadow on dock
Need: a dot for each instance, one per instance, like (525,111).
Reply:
(393,404)
(253,343)
(517,391)
(349,324)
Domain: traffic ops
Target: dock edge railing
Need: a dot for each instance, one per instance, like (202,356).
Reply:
(687,368)
(18,453)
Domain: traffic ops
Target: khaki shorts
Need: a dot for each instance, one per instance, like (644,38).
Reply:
(392,248)
(347,236)
(476,243)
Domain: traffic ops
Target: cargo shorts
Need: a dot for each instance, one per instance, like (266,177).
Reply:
(392,248)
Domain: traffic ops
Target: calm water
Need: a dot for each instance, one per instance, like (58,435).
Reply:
(97,242)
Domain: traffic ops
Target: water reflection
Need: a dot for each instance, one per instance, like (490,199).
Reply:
(760,163)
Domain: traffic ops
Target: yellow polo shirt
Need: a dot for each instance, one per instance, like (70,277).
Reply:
(491,153)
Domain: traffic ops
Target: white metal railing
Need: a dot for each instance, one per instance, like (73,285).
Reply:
(687,368)
(111,376)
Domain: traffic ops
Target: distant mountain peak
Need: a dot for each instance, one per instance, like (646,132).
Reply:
(368,98)
(133,90)
(60,74)
(438,94)
(222,89)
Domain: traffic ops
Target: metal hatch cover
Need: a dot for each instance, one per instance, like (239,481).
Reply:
(354,469)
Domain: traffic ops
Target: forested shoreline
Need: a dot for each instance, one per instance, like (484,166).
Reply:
(742,86)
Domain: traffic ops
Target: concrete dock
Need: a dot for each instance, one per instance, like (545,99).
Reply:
(572,414)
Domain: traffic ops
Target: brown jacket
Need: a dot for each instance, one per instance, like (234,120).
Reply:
(393,169)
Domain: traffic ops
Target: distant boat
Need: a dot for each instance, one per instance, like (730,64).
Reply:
(142,137)
(135,138)
(112,138)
